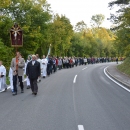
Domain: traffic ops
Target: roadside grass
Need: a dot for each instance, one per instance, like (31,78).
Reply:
(125,66)
(7,81)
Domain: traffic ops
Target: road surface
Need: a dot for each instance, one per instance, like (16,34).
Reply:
(80,98)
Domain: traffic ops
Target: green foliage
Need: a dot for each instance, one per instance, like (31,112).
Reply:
(122,30)
(93,42)
(61,34)
(40,29)
(97,20)
(124,67)
(5,55)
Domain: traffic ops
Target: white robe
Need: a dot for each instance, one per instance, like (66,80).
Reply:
(11,78)
(3,79)
(27,81)
(39,78)
(44,66)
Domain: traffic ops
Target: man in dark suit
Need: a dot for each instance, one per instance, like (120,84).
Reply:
(33,71)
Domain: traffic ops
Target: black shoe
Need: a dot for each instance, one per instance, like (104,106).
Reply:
(5,90)
(35,93)
(14,93)
(22,91)
(28,87)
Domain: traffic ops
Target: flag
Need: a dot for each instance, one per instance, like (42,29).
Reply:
(49,51)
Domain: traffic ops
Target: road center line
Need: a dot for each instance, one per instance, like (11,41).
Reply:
(74,81)
(84,68)
(115,81)
(80,127)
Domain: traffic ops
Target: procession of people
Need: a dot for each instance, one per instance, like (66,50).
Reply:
(35,68)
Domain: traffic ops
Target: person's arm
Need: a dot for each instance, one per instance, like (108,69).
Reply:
(27,69)
(13,66)
(39,70)
(21,64)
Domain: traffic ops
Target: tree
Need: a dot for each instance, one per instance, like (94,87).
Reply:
(80,26)
(33,17)
(61,33)
(121,28)
(97,20)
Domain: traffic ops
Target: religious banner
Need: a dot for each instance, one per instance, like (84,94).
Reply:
(16,36)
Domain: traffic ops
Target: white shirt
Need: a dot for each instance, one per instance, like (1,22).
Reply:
(2,70)
(44,62)
(33,62)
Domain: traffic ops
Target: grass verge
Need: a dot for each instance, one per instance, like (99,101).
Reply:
(125,66)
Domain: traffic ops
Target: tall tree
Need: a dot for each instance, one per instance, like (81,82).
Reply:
(80,26)
(97,20)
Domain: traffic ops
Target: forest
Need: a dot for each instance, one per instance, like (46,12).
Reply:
(41,27)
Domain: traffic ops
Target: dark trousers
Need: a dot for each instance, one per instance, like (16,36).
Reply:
(34,87)
(48,69)
(15,82)
(54,67)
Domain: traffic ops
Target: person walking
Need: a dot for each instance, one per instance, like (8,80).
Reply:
(3,85)
(33,71)
(44,66)
(17,65)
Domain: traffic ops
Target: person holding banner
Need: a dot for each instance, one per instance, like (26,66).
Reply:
(3,85)
(17,65)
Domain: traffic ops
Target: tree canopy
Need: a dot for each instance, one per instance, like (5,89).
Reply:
(42,28)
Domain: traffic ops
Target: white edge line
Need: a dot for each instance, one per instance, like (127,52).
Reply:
(84,68)
(80,127)
(115,81)
(74,81)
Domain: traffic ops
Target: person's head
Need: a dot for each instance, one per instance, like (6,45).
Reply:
(33,57)
(0,63)
(18,54)
(29,57)
(37,56)
(43,56)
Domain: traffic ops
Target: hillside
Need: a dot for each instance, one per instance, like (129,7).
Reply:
(125,66)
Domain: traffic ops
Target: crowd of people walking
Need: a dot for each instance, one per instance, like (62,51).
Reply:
(35,68)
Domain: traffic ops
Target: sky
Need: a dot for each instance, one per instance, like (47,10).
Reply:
(78,10)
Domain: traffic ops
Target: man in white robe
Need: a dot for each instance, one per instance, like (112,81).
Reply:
(44,66)
(3,85)
(11,78)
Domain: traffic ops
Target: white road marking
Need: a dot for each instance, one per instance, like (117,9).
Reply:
(115,81)
(84,68)
(74,81)
(81,127)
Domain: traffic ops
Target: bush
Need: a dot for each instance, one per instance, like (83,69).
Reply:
(5,55)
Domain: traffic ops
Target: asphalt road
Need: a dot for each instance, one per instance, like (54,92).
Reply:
(71,99)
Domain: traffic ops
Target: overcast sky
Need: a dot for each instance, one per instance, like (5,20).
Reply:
(78,10)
